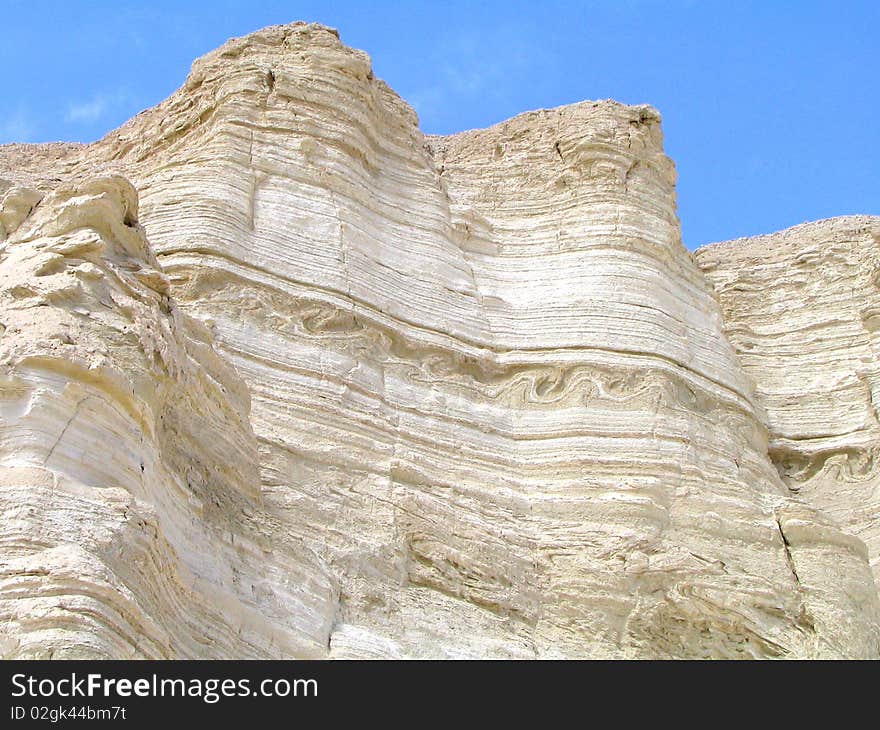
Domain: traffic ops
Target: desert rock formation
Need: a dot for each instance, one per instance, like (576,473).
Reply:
(802,309)
(284,377)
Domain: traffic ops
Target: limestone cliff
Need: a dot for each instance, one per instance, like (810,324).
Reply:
(383,395)
(130,509)
(802,309)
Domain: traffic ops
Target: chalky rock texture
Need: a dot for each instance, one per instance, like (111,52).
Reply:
(494,408)
(802,309)
(130,514)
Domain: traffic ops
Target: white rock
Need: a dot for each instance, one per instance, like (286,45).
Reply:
(131,516)
(495,410)
(802,308)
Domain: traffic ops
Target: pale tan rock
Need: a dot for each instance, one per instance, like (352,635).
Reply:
(495,411)
(130,511)
(802,308)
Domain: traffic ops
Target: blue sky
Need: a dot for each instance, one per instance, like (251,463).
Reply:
(770,109)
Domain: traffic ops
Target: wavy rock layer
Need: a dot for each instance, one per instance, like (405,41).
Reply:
(495,408)
(802,309)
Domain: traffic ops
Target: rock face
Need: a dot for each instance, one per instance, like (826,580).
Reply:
(383,395)
(132,522)
(802,309)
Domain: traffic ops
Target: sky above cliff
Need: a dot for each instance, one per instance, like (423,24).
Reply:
(770,109)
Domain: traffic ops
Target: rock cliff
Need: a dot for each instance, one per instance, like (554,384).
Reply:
(324,386)
(802,309)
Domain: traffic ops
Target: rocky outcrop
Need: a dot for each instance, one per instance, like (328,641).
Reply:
(130,510)
(494,408)
(802,309)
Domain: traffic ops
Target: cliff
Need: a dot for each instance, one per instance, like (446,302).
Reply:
(802,309)
(334,388)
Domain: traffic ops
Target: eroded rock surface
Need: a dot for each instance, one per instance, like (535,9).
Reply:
(802,309)
(486,406)
(130,510)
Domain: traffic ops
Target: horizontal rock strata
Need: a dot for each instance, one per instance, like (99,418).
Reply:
(132,522)
(494,409)
(802,309)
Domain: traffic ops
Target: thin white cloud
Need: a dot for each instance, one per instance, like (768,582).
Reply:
(16,127)
(475,64)
(88,111)
(97,107)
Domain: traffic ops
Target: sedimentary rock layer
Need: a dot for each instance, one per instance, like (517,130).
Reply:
(130,507)
(802,309)
(495,409)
